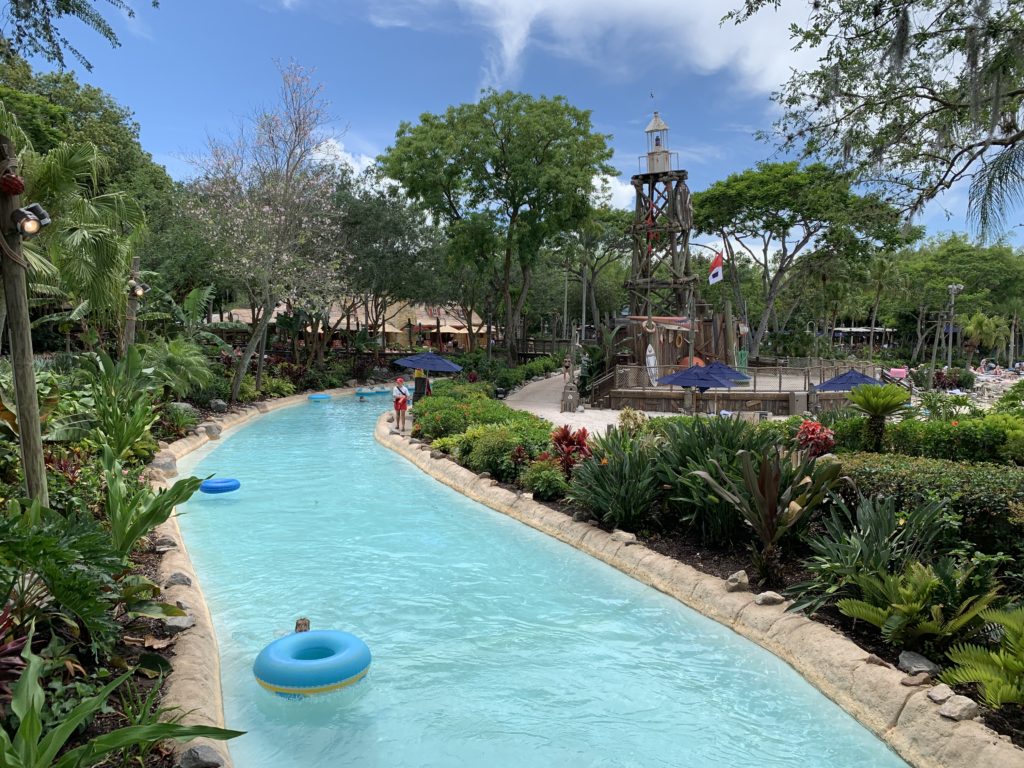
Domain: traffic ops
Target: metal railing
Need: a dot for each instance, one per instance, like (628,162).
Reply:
(762,379)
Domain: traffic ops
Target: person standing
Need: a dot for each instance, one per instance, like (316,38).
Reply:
(565,368)
(400,396)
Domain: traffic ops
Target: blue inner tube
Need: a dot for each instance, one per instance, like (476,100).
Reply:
(319,396)
(219,485)
(306,663)
(366,392)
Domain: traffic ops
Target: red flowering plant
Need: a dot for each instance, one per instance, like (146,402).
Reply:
(570,447)
(815,438)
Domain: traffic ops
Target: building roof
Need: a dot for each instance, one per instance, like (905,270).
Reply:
(656,124)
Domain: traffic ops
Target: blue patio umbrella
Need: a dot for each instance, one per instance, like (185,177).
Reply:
(697,376)
(428,361)
(724,371)
(844,382)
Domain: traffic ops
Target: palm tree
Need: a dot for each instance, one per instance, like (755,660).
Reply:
(984,331)
(82,259)
(883,276)
(878,402)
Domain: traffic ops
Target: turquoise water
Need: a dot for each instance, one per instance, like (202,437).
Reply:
(493,644)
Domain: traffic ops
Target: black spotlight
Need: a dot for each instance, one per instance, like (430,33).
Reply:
(30,220)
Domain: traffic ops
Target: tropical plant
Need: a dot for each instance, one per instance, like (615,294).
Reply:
(618,482)
(983,331)
(134,511)
(773,497)
(32,747)
(878,537)
(11,663)
(179,366)
(632,420)
(878,402)
(935,603)
(998,673)
(815,438)
(122,404)
(570,447)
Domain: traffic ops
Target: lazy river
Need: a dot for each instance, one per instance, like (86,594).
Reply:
(492,643)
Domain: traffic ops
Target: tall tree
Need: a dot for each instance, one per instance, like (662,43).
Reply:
(34,27)
(531,162)
(912,94)
(777,212)
(263,194)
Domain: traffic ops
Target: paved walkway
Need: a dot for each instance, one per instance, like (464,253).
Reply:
(544,399)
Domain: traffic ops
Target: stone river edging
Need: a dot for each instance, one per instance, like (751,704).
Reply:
(194,685)
(904,717)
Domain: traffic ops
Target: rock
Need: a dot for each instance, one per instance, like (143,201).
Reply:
(186,407)
(878,661)
(352,383)
(912,663)
(921,678)
(153,475)
(394,432)
(178,624)
(212,430)
(624,536)
(262,407)
(161,444)
(166,463)
(485,475)
(959,708)
(738,582)
(941,693)
(414,441)
(425,447)
(581,516)
(437,454)
(178,579)
(390,418)
(200,756)
(769,598)
(166,542)
(218,406)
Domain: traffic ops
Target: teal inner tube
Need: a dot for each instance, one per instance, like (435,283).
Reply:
(319,396)
(308,663)
(368,392)
(219,485)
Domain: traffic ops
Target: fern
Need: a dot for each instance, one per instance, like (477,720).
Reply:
(999,674)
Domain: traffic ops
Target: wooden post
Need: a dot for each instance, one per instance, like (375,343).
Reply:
(20,329)
(935,350)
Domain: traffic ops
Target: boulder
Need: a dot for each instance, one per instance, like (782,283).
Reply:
(437,454)
(177,624)
(213,430)
(769,598)
(581,515)
(624,536)
(959,708)
(165,541)
(166,463)
(912,663)
(738,582)
(218,406)
(878,661)
(200,756)
(352,383)
(921,678)
(178,579)
(182,406)
(390,418)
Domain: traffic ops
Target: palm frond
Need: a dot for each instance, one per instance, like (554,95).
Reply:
(996,188)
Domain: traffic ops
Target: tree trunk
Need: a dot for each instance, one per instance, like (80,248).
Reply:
(874,318)
(261,356)
(242,364)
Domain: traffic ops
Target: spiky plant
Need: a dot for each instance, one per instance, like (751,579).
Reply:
(878,402)
(999,674)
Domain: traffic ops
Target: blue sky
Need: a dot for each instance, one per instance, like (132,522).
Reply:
(194,69)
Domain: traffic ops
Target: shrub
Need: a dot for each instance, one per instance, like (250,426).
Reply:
(851,433)
(957,440)
(778,490)
(545,480)
(272,386)
(988,498)
(218,389)
(705,444)
(878,402)
(933,604)
(122,404)
(632,421)
(815,439)
(440,416)
(999,674)
(1012,400)
(877,538)
(954,378)
(781,432)
(492,451)
(618,483)
(570,447)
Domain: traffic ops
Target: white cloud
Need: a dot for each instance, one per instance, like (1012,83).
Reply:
(608,34)
(334,150)
(616,191)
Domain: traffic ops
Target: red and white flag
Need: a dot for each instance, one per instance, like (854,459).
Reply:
(717,269)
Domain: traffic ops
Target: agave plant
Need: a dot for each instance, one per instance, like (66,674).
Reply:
(773,496)
(999,674)
(878,402)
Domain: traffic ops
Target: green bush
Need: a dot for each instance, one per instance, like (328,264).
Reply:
(781,432)
(218,389)
(693,444)
(439,416)
(619,482)
(999,674)
(545,480)
(851,433)
(957,440)
(1012,400)
(988,498)
(492,450)
(272,386)
(462,390)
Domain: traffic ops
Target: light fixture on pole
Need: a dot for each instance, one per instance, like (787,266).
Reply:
(137,289)
(30,220)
